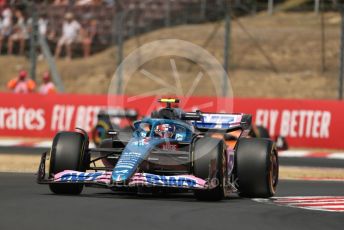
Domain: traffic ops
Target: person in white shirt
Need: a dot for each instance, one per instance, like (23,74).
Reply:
(7,21)
(6,25)
(70,33)
(43,25)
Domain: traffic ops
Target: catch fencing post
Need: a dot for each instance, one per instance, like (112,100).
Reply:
(121,16)
(168,13)
(270,7)
(51,62)
(33,41)
(316,6)
(341,67)
(119,50)
(226,47)
(203,9)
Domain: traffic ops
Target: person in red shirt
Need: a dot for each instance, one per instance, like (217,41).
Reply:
(47,86)
(22,83)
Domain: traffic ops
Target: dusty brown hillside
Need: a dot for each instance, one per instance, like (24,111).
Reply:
(291,41)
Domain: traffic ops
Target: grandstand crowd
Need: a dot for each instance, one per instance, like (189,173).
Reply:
(83,27)
(16,25)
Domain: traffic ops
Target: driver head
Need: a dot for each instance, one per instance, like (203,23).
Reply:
(165,130)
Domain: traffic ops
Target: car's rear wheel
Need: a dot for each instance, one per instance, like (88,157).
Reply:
(262,132)
(257,167)
(259,132)
(68,153)
(209,164)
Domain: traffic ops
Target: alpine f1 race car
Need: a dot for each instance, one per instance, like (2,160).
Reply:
(209,154)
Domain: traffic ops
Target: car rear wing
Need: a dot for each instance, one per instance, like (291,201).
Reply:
(219,121)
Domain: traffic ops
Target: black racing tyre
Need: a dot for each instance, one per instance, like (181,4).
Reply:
(209,164)
(262,132)
(256,165)
(68,153)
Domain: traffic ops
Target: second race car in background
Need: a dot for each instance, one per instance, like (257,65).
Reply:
(113,119)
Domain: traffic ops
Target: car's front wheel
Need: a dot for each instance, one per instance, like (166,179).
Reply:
(67,153)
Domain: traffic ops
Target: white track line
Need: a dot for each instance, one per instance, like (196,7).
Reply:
(319,203)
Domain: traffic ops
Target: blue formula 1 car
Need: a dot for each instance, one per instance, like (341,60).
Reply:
(210,154)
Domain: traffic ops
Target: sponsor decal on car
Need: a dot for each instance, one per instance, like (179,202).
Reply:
(74,176)
(180,181)
(141,142)
(169,147)
(218,121)
(170,180)
(145,179)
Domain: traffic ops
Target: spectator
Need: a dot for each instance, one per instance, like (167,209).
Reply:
(20,33)
(88,2)
(61,2)
(7,20)
(70,33)
(6,25)
(21,84)
(84,2)
(43,30)
(47,86)
(88,36)
(43,25)
(1,35)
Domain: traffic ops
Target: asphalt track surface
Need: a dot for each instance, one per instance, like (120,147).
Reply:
(27,205)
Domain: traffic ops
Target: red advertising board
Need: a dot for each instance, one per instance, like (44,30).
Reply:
(305,123)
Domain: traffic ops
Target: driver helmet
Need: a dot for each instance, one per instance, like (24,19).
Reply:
(165,130)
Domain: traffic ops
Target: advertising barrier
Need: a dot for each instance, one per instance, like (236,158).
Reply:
(304,123)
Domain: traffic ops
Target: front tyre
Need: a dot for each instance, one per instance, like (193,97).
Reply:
(68,153)
(257,167)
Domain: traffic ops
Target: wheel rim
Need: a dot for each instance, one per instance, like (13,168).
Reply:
(273,174)
(224,172)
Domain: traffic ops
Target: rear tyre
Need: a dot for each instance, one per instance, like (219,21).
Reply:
(68,153)
(209,164)
(257,167)
(259,132)
(262,132)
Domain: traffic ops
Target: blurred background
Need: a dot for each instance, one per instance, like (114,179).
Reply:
(270,48)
